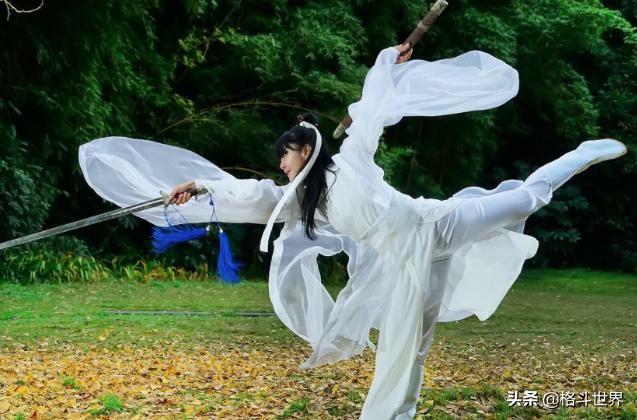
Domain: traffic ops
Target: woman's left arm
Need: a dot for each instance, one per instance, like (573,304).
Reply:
(378,89)
(472,81)
(405,51)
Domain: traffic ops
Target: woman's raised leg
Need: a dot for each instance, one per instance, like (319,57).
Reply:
(478,216)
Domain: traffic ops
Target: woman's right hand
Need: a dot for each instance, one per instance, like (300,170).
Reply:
(180,194)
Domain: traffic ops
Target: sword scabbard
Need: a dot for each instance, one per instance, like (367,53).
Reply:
(422,26)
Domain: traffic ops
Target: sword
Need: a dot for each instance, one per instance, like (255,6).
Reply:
(421,27)
(113,214)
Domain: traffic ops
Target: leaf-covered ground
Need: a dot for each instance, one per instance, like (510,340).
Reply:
(195,349)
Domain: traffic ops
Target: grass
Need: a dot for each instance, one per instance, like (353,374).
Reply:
(87,313)
(299,406)
(577,307)
(591,312)
(70,382)
(111,403)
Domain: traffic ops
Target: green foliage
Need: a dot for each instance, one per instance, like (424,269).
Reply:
(393,160)
(26,192)
(59,260)
(65,259)
(224,79)
(145,271)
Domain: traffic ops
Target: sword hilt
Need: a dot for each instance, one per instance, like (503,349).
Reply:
(192,191)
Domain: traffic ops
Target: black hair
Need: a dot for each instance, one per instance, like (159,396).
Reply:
(315,185)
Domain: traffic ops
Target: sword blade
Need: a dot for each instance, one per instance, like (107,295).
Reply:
(113,214)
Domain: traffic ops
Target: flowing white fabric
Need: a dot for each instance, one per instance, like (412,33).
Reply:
(399,281)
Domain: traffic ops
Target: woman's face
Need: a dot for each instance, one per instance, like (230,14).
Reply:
(293,161)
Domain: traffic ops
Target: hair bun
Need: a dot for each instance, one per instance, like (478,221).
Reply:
(307,117)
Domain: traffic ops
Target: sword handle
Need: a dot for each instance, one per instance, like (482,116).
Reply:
(192,191)
(197,191)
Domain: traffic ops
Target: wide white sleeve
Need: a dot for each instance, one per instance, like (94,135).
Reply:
(469,82)
(378,88)
(244,200)
(128,171)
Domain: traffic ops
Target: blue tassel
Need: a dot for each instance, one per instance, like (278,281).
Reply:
(165,237)
(227,267)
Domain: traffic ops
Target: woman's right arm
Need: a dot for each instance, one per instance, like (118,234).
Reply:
(179,194)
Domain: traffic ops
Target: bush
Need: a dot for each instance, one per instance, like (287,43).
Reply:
(26,193)
(67,259)
(60,259)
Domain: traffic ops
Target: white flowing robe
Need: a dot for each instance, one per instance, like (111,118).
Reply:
(398,281)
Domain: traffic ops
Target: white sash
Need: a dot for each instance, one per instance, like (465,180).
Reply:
(263,246)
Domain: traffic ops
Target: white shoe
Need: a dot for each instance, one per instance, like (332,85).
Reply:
(605,149)
(588,153)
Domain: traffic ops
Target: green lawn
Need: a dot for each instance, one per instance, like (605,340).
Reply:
(564,306)
(80,313)
(550,317)
(575,307)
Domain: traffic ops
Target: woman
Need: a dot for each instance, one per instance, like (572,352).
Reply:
(412,262)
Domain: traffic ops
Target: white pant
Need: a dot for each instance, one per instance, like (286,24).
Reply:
(472,219)
(478,216)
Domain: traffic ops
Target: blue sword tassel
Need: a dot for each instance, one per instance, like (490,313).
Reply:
(166,237)
(227,267)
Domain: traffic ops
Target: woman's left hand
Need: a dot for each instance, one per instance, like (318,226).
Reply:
(401,49)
